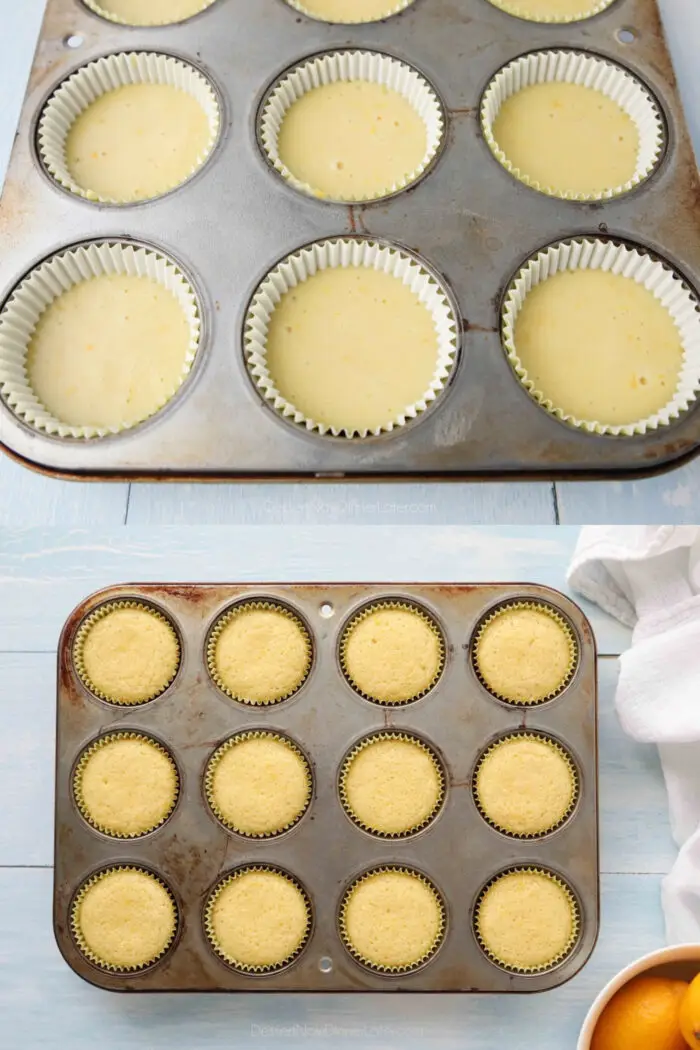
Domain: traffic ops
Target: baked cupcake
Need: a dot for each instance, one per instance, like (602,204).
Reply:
(258,784)
(392,920)
(350,11)
(148,12)
(258,920)
(527,920)
(259,653)
(525,785)
(391,784)
(125,784)
(126,653)
(525,652)
(123,919)
(392,652)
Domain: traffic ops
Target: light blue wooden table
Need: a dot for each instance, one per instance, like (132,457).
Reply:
(44,1006)
(26,499)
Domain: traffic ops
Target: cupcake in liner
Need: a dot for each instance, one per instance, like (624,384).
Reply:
(158,654)
(357,66)
(532,676)
(516,916)
(340,12)
(516,805)
(637,264)
(244,815)
(124,919)
(389,940)
(99,789)
(262,673)
(385,789)
(261,912)
(575,67)
(400,674)
(101,77)
(339,253)
(148,12)
(536,11)
(44,284)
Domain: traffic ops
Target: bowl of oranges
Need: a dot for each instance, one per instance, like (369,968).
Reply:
(654,1004)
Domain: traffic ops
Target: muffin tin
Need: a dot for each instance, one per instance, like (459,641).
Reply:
(458,851)
(467,219)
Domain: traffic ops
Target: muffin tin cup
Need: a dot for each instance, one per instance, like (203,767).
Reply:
(388,11)
(585,70)
(586,11)
(631,261)
(98,78)
(344,66)
(45,283)
(105,13)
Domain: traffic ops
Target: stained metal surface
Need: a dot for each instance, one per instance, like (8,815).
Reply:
(459,851)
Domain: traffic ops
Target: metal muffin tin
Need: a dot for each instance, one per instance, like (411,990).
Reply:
(459,851)
(467,218)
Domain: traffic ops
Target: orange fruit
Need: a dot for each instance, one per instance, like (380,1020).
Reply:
(690,1014)
(643,1015)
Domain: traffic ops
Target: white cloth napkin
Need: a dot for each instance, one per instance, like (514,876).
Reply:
(648,577)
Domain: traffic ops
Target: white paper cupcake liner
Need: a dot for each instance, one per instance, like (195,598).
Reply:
(45,283)
(346,66)
(386,12)
(98,78)
(98,9)
(331,254)
(587,10)
(632,262)
(573,67)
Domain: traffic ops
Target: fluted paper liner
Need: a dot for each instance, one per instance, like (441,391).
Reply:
(223,749)
(82,945)
(380,968)
(541,738)
(374,607)
(226,618)
(42,285)
(510,606)
(368,741)
(85,757)
(390,10)
(588,10)
(575,924)
(352,66)
(96,79)
(98,9)
(84,630)
(634,262)
(574,67)
(236,964)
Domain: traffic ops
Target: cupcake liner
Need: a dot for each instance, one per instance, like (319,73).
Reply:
(358,617)
(80,941)
(99,614)
(634,262)
(96,79)
(43,284)
(332,254)
(589,8)
(225,619)
(345,770)
(575,925)
(391,971)
(391,9)
(558,618)
(245,968)
(223,749)
(575,67)
(555,746)
(347,66)
(85,757)
(98,9)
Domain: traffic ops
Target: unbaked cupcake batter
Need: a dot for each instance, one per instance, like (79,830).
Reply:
(349,10)
(352,348)
(568,138)
(109,352)
(152,12)
(137,141)
(600,346)
(557,10)
(352,140)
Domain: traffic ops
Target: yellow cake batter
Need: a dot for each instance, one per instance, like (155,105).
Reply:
(558,10)
(392,785)
(568,138)
(261,655)
(129,655)
(599,346)
(392,919)
(152,12)
(259,919)
(352,140)
(349,10)
(352,348)
(109,352)
(526,920)
(138,141)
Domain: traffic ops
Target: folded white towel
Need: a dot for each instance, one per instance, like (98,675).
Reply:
(649,578)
